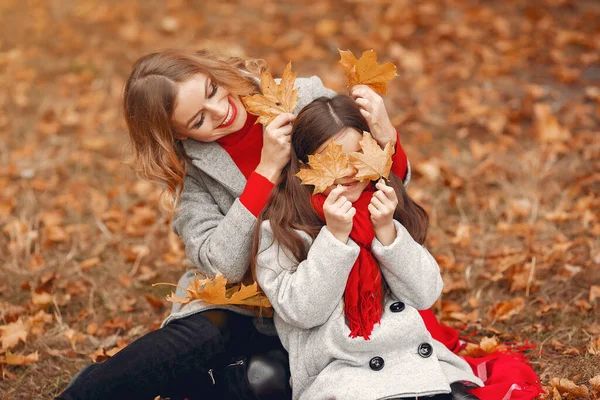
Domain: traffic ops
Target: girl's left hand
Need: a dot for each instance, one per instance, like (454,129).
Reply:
(373,109)
(382,207)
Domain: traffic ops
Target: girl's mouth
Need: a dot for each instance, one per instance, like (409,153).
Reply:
(231,114)
(350,184)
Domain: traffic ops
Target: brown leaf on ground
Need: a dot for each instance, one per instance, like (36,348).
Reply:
(504,310)
(547,126)
(594,293)
(14,332)
(595,383)
(373,163)
(325,168)
(569,389)
(275,98)
(366,70)
(155,302)
(19,359)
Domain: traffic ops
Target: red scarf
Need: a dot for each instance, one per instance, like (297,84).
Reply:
(362,298)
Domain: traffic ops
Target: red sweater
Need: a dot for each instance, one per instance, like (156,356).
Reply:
(244,147)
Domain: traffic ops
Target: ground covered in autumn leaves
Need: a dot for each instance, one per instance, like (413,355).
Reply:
(497,103)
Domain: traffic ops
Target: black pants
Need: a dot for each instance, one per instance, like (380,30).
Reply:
(198,357)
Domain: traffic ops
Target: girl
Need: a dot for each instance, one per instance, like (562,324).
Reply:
(190,131)
(346,273)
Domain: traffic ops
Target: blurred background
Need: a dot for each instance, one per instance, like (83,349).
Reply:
(497,103)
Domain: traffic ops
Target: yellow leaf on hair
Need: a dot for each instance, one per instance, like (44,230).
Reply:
(275,98)
(366,71)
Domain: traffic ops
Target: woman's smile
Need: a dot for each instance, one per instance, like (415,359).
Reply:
(231,114)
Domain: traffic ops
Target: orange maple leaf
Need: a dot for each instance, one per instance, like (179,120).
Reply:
(373,163)
(215,291)
(325,168)
(13,332)
(366,71)
(19,359)
(275,98)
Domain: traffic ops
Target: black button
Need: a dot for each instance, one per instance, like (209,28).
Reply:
(425,350)
(376,363)
(397,306)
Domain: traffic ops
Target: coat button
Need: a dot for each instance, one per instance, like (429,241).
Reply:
(397,306)
(425,350)
(376,363)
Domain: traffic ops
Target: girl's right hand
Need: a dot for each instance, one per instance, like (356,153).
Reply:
(277,147)
(338,214)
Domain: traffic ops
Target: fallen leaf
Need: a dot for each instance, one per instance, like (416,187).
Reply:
(506,309)
(325,168)
(595,383)
(90,262)
(568,387)
(275,98)
(547,126)
(19,359)
(594,293)
(156,303)
(366,71)
(373,163)
(13,333)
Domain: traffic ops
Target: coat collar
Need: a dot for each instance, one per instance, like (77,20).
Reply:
(213,160)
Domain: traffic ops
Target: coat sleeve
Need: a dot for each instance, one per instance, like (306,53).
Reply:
(214,242)
(411,273)
(305,294)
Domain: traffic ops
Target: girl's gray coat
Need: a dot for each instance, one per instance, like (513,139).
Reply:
(309,316)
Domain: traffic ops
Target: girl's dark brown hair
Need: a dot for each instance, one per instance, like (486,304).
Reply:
(149,101)
(289,207)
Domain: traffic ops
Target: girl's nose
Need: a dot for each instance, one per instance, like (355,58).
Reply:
(352,171)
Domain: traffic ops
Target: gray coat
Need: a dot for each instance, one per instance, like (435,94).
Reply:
(216,229)
(400,360)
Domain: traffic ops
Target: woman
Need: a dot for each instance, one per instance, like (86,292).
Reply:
(190,131)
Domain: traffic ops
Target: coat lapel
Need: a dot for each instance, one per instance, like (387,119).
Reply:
(213,160)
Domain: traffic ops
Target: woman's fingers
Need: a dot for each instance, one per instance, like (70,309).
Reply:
(282,120)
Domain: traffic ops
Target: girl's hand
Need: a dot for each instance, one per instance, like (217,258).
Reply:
(338,214)
(382,207)
(276,150)
(373,109)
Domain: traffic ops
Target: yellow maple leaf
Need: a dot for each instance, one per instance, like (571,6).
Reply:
(215,291)
(275,98)
(11,334)
(325,168)
(366,71)
(373,163)
(19,359)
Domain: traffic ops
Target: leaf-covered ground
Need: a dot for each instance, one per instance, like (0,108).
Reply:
(497,103)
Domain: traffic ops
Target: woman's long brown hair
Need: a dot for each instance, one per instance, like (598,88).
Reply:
(289,208)
(150,99)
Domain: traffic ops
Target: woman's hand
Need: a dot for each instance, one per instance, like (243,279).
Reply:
(276,150)
(338,214)
(382,207)
(373,109)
